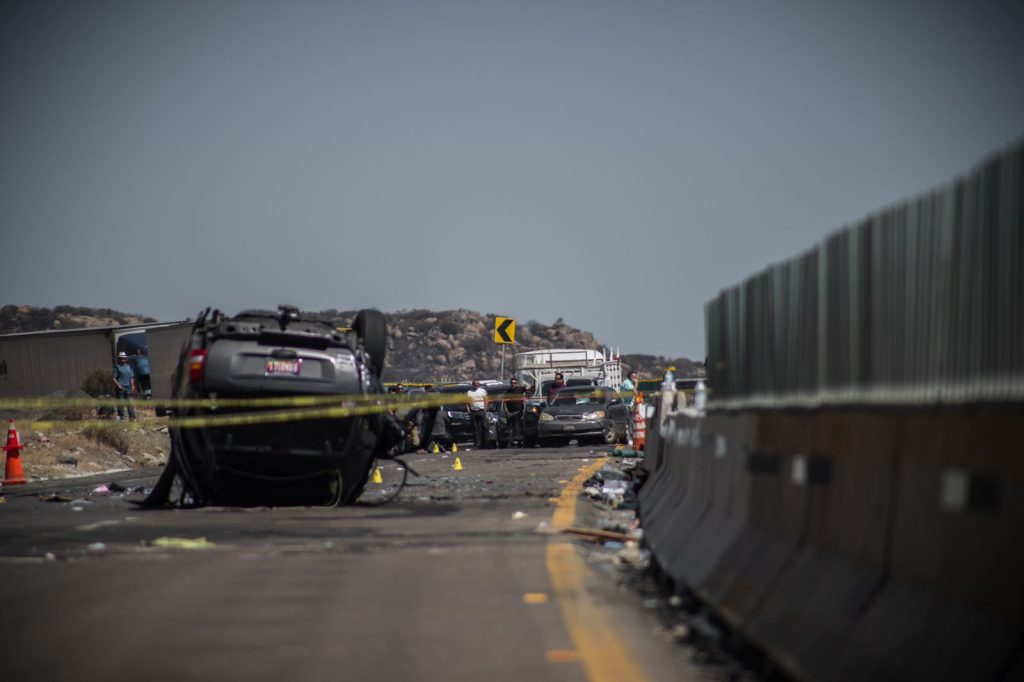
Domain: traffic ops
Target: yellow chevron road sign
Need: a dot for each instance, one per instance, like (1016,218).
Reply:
(504,330)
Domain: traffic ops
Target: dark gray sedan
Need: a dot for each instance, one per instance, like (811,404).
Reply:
(594,413)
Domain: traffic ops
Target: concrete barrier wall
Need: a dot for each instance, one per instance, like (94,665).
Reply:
(851,544)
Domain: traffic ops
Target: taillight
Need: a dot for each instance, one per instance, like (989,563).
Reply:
(196,362)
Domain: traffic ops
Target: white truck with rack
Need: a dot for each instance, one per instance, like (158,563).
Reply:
(537,368)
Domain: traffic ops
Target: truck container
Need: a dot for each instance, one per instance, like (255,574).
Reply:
(46,362)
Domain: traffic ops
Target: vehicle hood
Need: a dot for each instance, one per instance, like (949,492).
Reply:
(581,409)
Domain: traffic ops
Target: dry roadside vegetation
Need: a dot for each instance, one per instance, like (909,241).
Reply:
(78,450)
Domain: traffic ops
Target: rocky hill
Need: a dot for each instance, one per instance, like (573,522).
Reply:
(423,345)
(456,345)
(24,318)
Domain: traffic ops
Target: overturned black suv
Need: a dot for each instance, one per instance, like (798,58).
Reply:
(252,391)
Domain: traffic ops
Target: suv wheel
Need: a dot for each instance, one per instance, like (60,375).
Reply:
(372,329)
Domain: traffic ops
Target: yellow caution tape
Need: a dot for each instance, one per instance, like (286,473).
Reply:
(347,408)
(396,400)
(25,403)
(300,408)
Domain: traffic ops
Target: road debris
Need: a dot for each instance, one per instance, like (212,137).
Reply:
(615,545)
(623,451)
(182,543)
(612,486)
(598,535)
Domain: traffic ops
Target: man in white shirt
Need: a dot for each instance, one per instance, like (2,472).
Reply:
(477,408)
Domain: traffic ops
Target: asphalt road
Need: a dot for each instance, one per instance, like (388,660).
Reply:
(451,581)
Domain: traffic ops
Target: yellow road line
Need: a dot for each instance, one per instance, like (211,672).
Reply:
(602,651)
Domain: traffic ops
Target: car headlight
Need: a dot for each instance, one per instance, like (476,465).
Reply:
(595,415)
(491,417)
(545,417)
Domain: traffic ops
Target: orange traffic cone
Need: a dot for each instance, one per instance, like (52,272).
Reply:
(639,422)
(13,473)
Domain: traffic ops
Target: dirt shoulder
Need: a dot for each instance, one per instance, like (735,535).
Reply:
(84,451)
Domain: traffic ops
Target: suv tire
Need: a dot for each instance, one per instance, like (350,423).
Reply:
(372,329)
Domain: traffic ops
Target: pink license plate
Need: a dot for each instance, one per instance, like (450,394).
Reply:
(278,366)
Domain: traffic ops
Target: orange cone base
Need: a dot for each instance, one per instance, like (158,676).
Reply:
(14,474)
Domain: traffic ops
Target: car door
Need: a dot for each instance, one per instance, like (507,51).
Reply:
(617,411)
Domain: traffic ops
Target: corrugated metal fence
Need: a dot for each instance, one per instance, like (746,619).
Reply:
(922,303)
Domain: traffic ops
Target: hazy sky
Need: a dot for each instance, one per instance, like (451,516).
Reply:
(612,163)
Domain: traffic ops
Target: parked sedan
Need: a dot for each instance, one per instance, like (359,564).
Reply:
(584,413)
(535,405)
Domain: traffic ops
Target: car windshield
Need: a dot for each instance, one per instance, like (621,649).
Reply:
(545,386)
(579,397)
